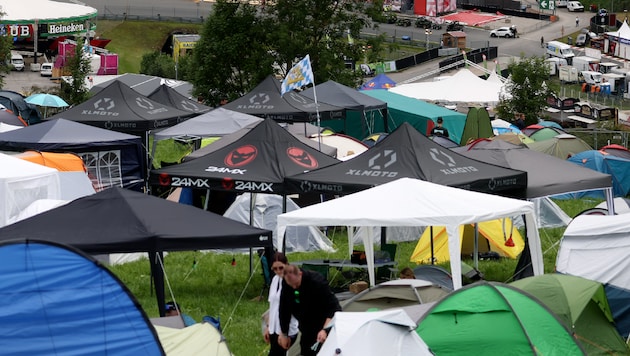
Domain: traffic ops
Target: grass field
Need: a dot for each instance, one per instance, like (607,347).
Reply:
(133,39)
(216,287)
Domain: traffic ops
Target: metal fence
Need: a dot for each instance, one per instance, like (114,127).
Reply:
(599,138)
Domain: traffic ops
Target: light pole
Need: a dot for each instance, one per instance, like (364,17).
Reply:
(427,32)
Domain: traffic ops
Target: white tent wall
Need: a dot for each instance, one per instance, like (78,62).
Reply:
(412,202)
(22,183)
(597,247)
(548,214)
(266,209)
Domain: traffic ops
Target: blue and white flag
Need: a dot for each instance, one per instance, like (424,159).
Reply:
(300,75)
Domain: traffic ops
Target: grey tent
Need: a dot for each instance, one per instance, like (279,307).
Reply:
(112,158)
(351,99)
(547,175)
(265,101)
(395,294)
(166,95)
(218,122)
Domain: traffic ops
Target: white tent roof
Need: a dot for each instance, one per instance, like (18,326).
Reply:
(388,332)
(462,87)
(622,32)
(22,183)
(412,202)
(43,10)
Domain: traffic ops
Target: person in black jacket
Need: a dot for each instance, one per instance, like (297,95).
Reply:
(307,296)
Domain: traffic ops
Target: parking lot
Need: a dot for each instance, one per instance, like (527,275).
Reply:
(22,82)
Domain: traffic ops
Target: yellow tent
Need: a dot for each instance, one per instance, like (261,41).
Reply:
(491,238)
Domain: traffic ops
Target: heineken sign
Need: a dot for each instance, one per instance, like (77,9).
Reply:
(59,29)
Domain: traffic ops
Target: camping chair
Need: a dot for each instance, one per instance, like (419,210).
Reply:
(323,270)
(388,251)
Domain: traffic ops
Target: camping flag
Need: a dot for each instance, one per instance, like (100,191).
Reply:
(300,75)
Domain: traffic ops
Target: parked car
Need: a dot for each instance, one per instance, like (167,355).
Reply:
(502,32)
(423,22)
(403,22)
(46,70)
(455,26)
(575,6)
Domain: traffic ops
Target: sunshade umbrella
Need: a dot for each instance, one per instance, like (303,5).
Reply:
(46,100)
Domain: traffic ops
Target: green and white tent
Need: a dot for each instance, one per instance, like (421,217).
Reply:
(494,319)
(582,305)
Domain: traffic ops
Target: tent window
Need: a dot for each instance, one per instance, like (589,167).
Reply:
(103,168)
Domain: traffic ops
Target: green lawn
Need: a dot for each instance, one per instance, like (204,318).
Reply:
(133,39)
(213,286)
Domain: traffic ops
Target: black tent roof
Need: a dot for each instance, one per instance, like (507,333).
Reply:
(60,134)
(340,95)
(120,220)
(547,174)
(258,161)
(171,97)
(120,108)
(265,101)
(408,153)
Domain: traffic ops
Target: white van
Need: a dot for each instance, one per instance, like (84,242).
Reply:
(554,64)
(561,50)
(17,61)
(46,70)
(562,3)
(591,77)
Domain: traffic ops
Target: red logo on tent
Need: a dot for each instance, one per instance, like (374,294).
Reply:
(227,183)
(241,156)
(164,179)
(302,157)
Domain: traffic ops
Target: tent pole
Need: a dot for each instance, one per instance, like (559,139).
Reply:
(205,203)
(383,237)
(158,277)
(476,247)
(432,246)
(284,237)
(252,199)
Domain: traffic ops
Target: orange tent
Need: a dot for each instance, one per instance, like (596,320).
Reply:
(63,162)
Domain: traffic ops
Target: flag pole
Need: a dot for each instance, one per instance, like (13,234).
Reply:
(319,127)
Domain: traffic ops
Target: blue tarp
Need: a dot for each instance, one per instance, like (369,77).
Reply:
(61,302)
(381,81)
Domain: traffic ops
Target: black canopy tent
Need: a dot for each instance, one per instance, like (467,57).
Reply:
(171,97)
(337,94)
(265,101)
(120,108)
(407,153)
(119,220)
(110,157)
(255,161)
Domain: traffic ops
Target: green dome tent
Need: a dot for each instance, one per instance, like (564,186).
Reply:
(582,305)
(494,319)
